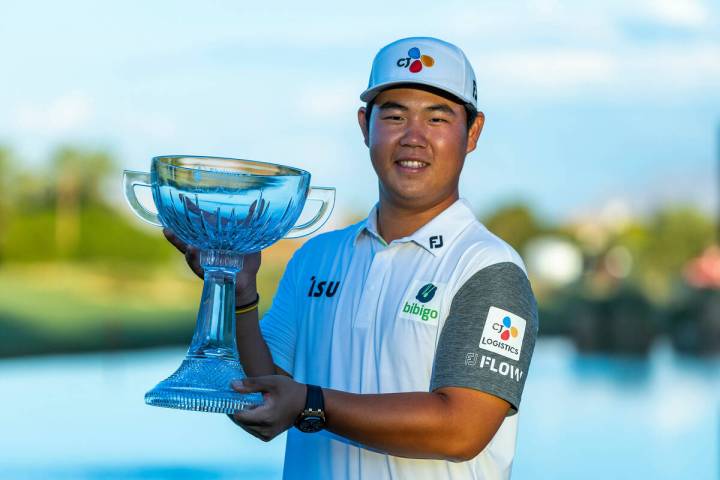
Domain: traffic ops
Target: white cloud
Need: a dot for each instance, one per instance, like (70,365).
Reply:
(680,13)
(551,68)
(670,72)
(64,114)
(564,48)
(677,68)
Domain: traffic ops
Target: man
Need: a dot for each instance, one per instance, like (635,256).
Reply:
(404,339)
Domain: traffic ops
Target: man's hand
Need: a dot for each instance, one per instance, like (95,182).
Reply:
(246,280)
(283,401)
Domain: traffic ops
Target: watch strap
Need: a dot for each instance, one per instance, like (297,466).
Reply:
(314,399)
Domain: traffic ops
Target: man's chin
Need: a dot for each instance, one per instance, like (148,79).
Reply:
(412,200)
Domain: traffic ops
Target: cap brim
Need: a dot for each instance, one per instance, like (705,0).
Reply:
(369,94)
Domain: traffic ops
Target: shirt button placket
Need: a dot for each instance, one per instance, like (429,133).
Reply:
(369,299)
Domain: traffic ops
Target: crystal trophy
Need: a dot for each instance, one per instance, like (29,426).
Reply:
(226,208)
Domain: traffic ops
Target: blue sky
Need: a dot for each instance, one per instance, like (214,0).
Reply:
(587,103)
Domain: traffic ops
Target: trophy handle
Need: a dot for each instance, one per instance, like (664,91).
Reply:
(327,196)
(131,179)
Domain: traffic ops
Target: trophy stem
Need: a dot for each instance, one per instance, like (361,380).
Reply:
(215,330)
(203,380)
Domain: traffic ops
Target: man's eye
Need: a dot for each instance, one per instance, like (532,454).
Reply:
(438,120)
(392,117)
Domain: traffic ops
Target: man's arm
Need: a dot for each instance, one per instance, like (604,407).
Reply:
(479,371)
(254,353)
(450,423)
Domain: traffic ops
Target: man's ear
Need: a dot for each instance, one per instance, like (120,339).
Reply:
(362,120)
(474,132)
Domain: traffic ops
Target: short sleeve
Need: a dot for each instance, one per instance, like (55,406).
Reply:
(279,324)
(489,335)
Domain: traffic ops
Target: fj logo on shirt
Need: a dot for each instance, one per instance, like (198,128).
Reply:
(503,333)
(317,289)
(436,241)
(422,302)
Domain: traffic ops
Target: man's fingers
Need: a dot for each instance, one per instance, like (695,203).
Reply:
(255,417)
(249,418)
(172,238)
(192,257)
(191,254)
(254,384)
(258,428)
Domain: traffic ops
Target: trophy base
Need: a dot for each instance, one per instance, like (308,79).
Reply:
(202,384)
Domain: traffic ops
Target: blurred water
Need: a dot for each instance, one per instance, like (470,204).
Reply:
(599,417)
(83,417)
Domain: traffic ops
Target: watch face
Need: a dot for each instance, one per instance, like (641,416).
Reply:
(311,424)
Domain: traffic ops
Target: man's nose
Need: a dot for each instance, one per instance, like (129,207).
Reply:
(414,135)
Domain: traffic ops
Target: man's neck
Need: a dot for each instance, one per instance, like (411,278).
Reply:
(396,221)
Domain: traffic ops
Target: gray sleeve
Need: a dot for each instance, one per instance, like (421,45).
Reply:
(489,335)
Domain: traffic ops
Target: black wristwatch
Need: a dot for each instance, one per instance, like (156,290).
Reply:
(312,419)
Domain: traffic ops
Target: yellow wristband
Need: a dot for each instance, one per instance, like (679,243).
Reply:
(249,307)
(240,311)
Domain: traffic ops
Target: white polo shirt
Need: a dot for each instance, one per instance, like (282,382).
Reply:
(449,305)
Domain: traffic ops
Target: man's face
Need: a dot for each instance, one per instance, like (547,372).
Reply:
(418,141)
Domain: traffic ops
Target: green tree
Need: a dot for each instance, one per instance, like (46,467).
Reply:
(61,213)
(516,224)
(6,181)
(77,175)
(664,244)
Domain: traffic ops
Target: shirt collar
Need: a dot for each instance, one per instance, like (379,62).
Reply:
(436,235)
(369,226)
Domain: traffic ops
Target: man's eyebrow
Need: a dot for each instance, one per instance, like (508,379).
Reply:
(441,107)
(392,105)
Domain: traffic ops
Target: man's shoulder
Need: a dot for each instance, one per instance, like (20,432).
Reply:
(490,268)
(479,249)
(482,248)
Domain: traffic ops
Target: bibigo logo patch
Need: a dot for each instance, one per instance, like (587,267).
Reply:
(503,333)
(422,302)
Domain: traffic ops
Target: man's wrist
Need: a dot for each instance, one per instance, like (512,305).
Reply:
(312,418)
(246,297)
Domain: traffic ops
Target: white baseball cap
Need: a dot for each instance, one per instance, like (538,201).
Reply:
(425,61)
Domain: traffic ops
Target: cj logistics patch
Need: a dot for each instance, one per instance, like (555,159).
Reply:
(503,333)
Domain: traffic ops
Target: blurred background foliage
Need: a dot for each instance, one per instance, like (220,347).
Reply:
(78,272)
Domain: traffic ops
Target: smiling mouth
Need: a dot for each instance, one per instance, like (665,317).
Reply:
(413,164)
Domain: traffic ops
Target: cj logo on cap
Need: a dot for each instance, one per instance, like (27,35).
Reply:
(415,61)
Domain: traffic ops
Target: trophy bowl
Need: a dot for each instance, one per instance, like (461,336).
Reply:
(226,208)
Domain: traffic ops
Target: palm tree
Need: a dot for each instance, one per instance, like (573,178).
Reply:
(78,176)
